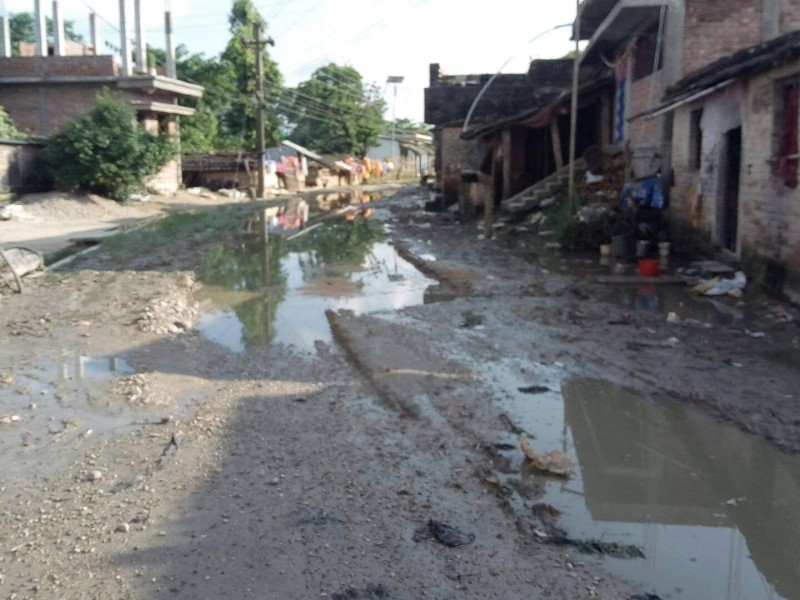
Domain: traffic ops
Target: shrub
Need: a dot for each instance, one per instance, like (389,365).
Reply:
(105,151)
(7,129)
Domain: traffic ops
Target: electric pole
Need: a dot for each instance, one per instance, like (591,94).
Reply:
(573,120)
(260,147)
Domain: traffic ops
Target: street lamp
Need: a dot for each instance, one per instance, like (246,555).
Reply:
(395,80)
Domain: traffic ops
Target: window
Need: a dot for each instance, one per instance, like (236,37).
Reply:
(696,140)
(786,131)
(645,61)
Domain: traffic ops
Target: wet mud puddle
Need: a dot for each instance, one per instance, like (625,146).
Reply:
(61,403)
(714,511)
(256,294)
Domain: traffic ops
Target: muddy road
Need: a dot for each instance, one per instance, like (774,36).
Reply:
(192,412)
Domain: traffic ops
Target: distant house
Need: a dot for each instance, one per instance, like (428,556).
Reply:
(46,87)
(414,153)
(707,93)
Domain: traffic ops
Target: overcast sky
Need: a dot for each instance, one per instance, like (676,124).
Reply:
(378,38)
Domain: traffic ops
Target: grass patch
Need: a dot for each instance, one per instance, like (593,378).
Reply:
(174,227)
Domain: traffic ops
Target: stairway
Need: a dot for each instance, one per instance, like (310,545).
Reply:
(529,200)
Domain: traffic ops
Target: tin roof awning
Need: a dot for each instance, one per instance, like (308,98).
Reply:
(620,23)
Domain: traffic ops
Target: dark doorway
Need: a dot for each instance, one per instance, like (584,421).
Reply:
(733,172)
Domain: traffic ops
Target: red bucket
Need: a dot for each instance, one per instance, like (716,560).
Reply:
(649,267)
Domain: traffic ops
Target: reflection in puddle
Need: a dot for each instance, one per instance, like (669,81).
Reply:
(255,294)
(64,402)
(714,510)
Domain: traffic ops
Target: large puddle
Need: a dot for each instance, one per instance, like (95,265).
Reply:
(256,294)
(715,511)
(60,403)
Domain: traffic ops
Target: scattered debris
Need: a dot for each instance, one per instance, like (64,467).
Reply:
(472,320)
(94,475)
(444,534)
(534,389)
(314,516)
(9,419)
(623,319)
(645,597)
(731,363)
(371,592)
(555,463)
(123,528)
(720,287)
(513,427)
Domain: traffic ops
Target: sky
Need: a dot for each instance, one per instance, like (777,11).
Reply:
(376,37)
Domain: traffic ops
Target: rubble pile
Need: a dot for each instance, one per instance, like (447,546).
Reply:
(172,313)
(603,187)
(134,389)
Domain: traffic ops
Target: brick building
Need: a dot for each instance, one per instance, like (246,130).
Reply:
(48,85)
(708,91)
(448,101)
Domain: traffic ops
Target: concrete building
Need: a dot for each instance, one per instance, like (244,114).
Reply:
(412,153)
(707,92)
(448,100)
(44,89)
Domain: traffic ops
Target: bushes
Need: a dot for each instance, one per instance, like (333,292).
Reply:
(7,129)
(105,151)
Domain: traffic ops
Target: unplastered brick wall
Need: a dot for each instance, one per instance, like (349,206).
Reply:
(770,210)
(790,17)
(58,66)
(717,28)
(646,135)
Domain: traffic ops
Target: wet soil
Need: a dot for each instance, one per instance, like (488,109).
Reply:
(277,421)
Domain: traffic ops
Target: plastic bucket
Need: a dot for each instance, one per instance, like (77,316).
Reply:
(649,267)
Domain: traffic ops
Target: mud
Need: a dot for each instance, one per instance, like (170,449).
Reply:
(295,465)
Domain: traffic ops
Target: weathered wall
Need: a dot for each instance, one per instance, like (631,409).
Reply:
(769,211)
(790,17)
(58,66)
(168,180)
(716,28)
(646,135)
(456,156)
(16,161)
(42,110)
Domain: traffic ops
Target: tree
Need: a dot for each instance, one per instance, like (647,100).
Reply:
(241,58)
(335,112)
(407,126)
(23,29)
(105,151)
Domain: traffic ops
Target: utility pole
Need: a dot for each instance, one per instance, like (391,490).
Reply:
(260,147)
(573,128)
(259,46)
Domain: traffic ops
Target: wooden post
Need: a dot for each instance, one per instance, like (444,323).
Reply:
(558,152)
(573,120)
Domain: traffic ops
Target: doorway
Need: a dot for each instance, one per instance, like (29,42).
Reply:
(730,200)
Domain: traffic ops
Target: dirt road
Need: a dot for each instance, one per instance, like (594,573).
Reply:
(188,424)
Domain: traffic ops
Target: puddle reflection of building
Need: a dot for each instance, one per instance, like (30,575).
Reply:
(664,464)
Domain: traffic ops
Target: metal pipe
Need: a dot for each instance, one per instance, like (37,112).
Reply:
(59,43)
(125,46)
(40,29)
(499,71)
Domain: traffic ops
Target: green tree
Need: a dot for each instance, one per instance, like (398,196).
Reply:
(105,151)
(23,29)
(240,55)
(335,111)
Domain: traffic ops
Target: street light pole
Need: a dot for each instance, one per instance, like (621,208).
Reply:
(395,80)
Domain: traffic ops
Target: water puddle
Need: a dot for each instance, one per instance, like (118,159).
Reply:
(715,511)
(256,294)
(647,298)
(62,403)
